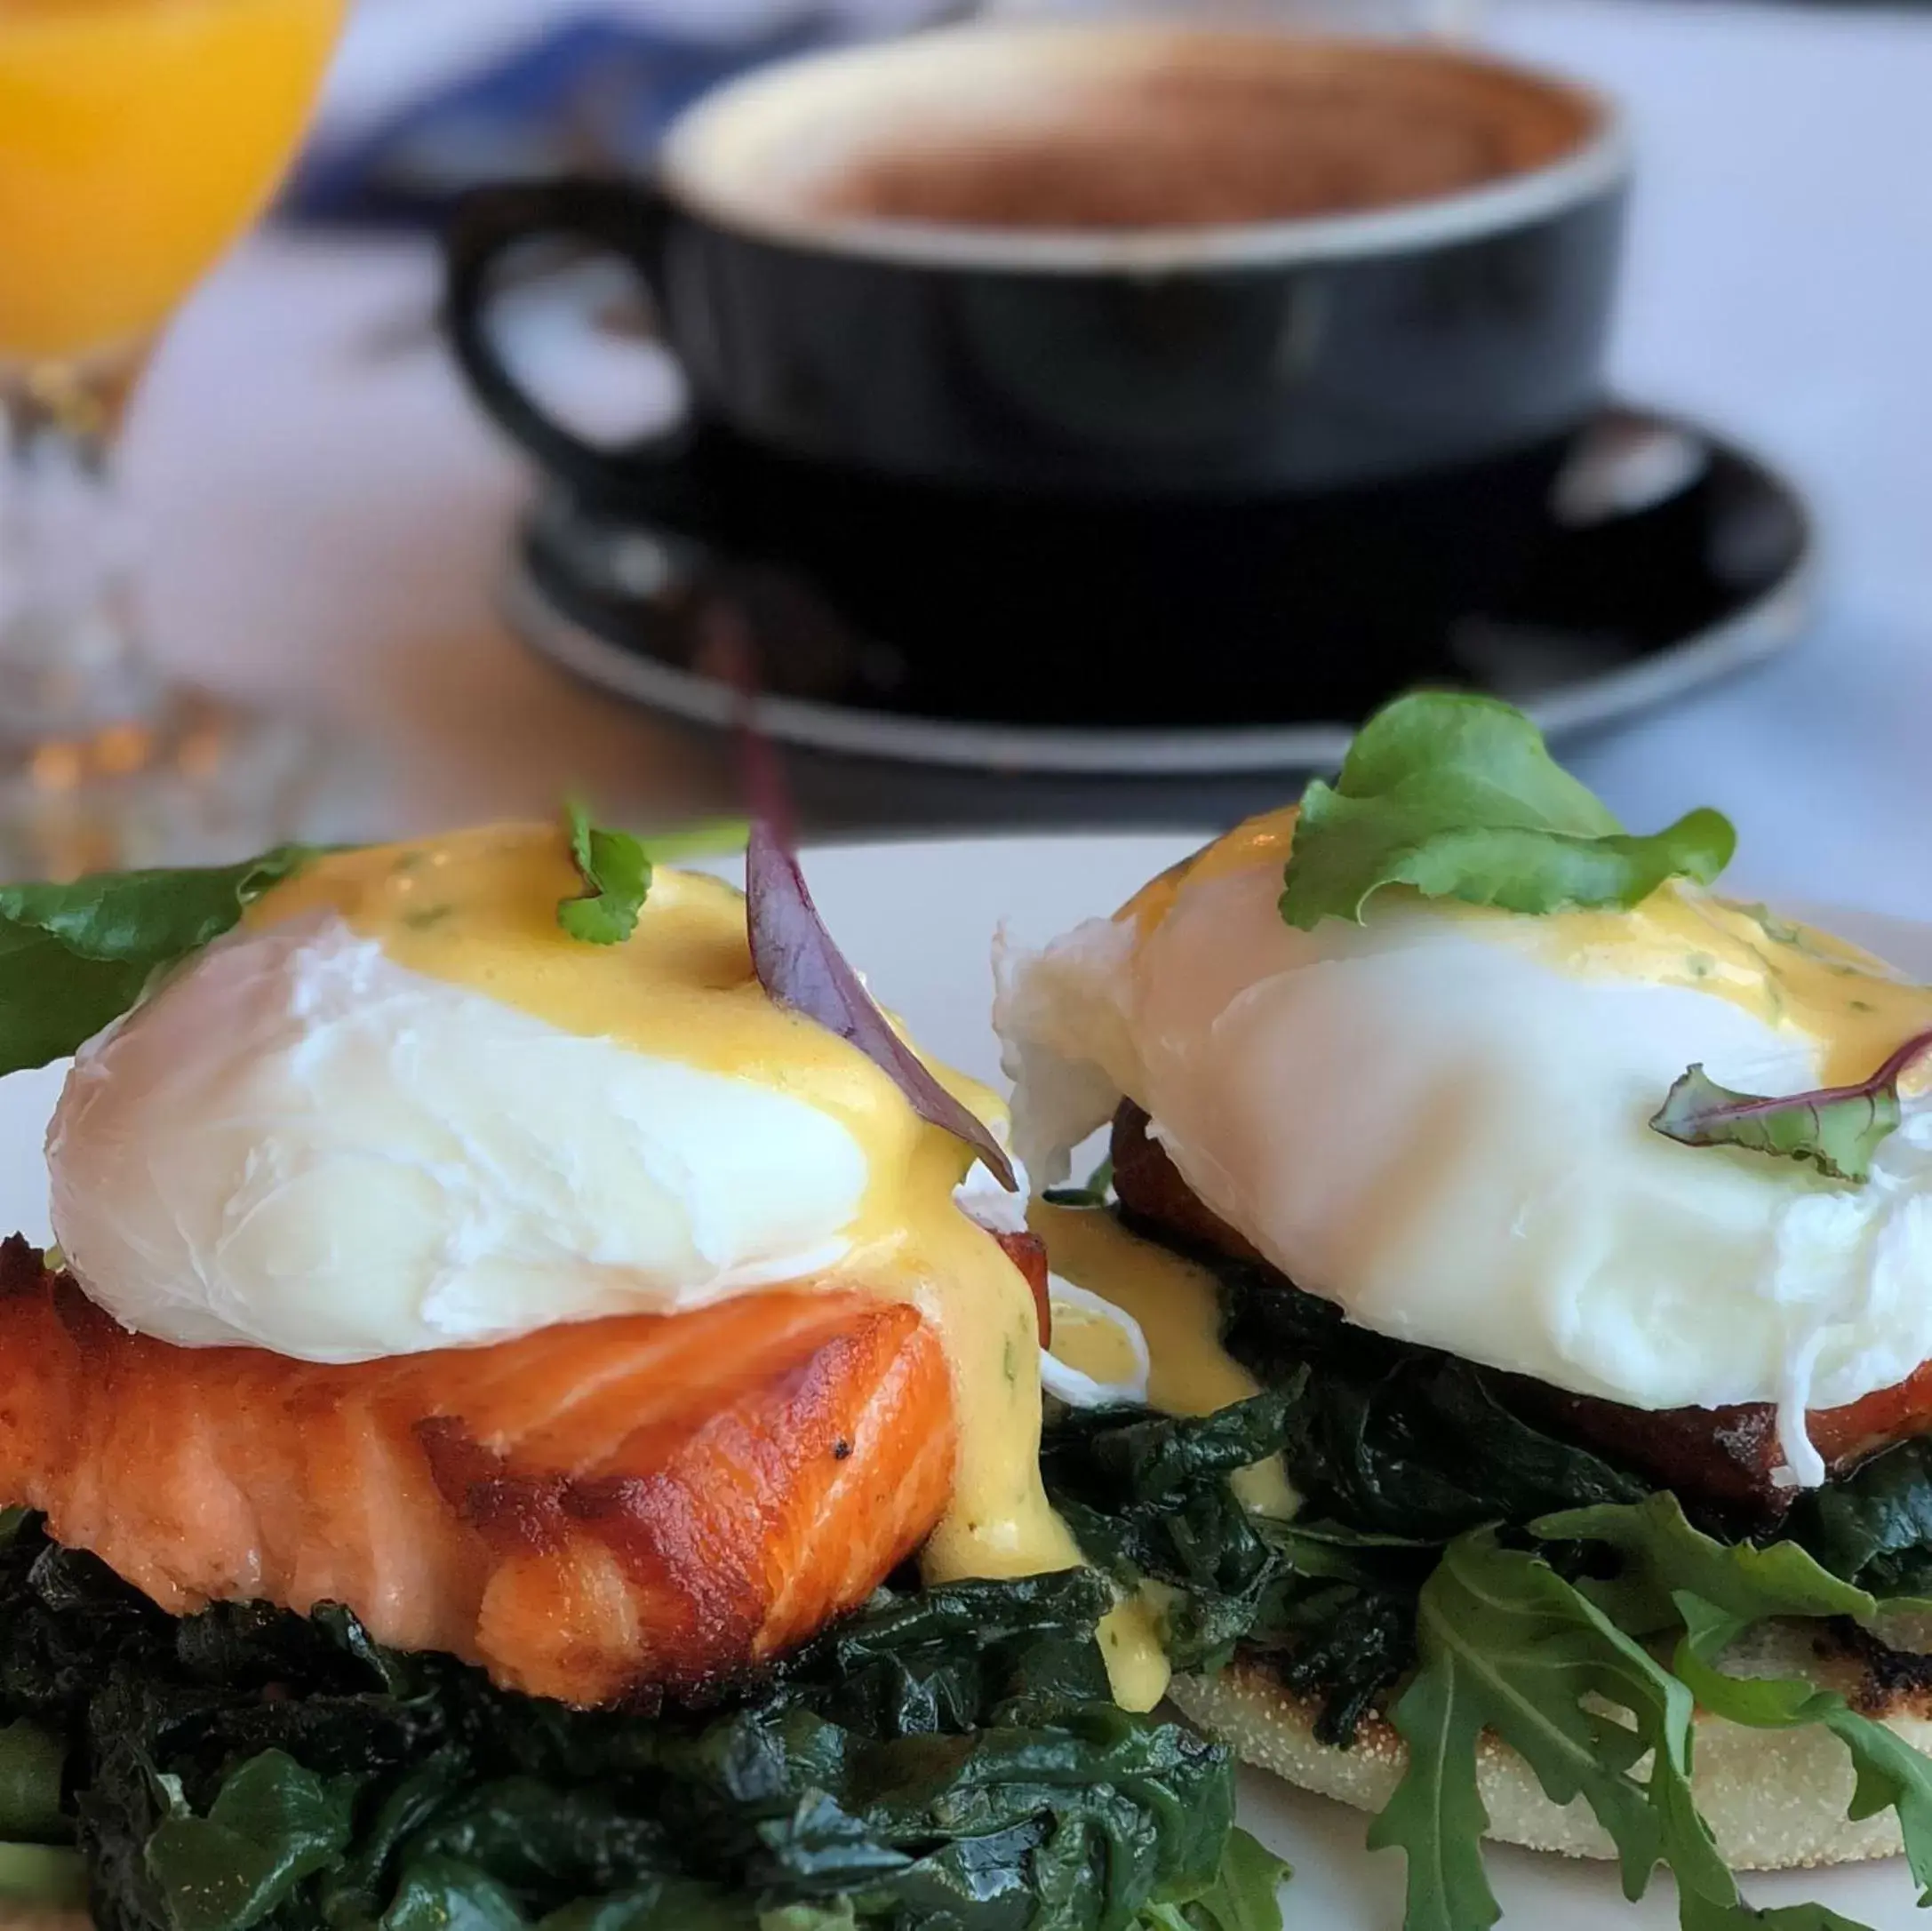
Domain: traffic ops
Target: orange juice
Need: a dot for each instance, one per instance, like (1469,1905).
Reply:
(138,138)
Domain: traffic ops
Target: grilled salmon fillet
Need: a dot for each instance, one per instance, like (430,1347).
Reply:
(1726,1456)
(610,1509)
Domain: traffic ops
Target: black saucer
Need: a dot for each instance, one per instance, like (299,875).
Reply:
(1672,557)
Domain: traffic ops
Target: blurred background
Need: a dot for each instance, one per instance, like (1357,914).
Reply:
(320,527)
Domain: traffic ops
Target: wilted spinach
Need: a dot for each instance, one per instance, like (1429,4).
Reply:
(948,1758)
(1148,1496)
(1874,1528)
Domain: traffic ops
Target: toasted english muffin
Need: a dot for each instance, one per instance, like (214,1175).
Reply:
(1775,1799)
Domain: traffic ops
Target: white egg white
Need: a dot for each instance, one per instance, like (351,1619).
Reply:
(297,1142)
(1447,1134)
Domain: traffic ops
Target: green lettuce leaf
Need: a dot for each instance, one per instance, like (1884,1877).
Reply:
(1835,1128)
(1457,797)
(75,957)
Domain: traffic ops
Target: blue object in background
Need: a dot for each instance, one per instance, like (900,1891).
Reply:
(591,97)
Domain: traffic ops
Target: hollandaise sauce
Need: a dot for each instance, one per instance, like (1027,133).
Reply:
(1176,1305)
(1792,978)
(478,910)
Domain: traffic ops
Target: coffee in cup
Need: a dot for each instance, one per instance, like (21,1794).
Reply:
(1058,341)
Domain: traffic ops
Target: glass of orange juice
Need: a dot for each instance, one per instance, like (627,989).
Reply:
(138,140)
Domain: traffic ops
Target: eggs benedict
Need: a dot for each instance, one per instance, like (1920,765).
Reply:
(509,1299)
(1572,1225)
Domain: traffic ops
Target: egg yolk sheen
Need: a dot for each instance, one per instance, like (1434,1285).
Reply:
(478,910)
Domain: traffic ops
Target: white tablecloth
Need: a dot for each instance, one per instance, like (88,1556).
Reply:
(327,514)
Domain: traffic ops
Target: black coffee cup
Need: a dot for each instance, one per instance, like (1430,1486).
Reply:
(1050,351)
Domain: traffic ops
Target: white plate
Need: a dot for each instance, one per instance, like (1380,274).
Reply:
(917,917)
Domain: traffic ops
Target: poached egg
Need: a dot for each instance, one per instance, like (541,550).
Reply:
(399,1109)
(1439,1120)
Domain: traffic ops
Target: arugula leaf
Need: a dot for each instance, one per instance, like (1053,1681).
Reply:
(75,957)
(1836,1128)
(1508,1645)
(1436,1817)
(1664,1558)
(1710,1914)
(1891,1774)
(1457,797)
(616,872)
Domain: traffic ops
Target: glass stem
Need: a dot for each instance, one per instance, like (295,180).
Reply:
(71,660)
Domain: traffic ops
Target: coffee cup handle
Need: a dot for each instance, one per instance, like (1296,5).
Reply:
(624,219)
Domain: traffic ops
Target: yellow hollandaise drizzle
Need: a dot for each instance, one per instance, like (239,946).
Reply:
(1854,1008)
(1189,1372)
(1178,1308)
(478,910)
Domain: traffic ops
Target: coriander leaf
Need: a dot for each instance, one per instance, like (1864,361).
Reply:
(1457,797)
(1664,1556)
(1836,1128)
(273,1825)
(616,872)
(75,957)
